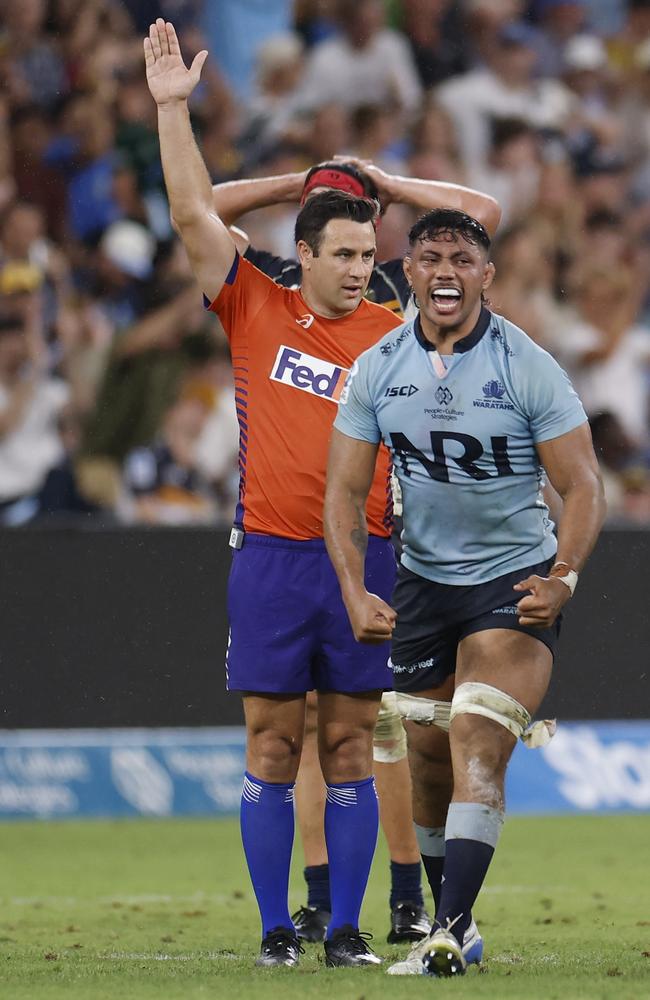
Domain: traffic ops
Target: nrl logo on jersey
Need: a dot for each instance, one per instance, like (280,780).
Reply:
(493,393)
(307,373)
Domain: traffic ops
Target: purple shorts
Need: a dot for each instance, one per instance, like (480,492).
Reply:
(289,630)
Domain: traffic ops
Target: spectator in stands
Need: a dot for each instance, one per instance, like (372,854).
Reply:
(367,63)
(606,352)
(505,88)
(162,481)
(513,169)
(625,471)
(523,287)
(271,112)
(30,403)
(34,71)
(62,495)
(435,31)
(559,21)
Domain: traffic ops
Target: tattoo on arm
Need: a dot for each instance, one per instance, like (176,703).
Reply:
(359,535)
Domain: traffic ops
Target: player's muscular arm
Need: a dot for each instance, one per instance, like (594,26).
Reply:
(234,198)
(208,243)
(349,476)
(426,195)
(572,469)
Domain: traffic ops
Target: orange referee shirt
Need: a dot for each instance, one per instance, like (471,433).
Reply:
(289,369)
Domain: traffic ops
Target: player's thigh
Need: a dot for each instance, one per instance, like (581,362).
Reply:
(510,660)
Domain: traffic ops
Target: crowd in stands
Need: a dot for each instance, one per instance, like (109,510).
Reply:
(116,399)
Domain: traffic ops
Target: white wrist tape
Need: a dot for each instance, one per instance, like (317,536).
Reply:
(570,578)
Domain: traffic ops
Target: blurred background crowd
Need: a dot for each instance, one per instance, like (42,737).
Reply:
(116,399)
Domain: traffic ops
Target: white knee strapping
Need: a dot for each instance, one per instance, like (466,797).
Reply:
(389,743)
(425,711)
(483,699)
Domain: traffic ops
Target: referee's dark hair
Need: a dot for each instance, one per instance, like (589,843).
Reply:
(449,222)
(322,208)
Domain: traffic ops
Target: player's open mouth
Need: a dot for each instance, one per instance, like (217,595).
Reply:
(352,289)
(446,300)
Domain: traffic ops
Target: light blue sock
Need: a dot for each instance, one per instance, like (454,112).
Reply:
(351,824)
(267,827)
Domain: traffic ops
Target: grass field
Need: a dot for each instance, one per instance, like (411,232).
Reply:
(147,908)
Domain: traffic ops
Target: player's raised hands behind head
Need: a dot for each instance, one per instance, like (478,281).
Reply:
(168,77)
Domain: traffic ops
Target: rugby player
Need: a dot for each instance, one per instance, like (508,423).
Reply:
(475,414)
(290,634)
(388,286)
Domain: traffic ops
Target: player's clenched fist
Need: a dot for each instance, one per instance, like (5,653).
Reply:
(168,77)
(540,608)
(372,620)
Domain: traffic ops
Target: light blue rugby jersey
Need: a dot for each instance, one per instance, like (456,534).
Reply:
(464,444)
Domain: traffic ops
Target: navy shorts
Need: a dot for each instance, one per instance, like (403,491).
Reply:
(432,618)
(289,630)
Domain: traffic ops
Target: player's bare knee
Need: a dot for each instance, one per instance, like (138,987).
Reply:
(273,755)
(472,736)
(346,755)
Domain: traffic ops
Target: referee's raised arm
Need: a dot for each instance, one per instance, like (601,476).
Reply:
(208,243)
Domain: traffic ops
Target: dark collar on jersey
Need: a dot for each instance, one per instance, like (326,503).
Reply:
(466,343)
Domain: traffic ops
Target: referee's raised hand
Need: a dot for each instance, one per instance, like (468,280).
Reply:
(168,77)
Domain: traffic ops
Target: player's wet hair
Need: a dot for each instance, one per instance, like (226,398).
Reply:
(328,205)
(447,222)
(342,177)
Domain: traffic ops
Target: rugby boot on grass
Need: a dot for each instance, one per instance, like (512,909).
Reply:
(280,947)
(412,964)
(348,947)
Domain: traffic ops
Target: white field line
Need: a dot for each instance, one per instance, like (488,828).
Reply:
(196,898)
(145,956)
(216,897)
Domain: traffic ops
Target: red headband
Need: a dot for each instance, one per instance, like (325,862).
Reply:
(333,179)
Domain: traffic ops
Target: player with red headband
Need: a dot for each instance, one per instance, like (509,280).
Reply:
(389,287)
(343,176)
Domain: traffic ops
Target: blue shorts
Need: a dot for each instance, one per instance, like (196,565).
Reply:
(432,618)
(289,630)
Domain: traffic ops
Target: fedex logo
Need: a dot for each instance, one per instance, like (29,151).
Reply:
(302,371)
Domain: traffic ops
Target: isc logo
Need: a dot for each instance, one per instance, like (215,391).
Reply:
(302,371)
(401,390)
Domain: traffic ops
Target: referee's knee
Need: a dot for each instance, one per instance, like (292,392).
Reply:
(346,754)
(273,755)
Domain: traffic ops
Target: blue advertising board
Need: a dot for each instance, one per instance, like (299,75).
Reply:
(587,767)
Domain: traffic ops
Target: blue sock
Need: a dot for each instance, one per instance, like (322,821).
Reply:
(405,883)
(317,878)
(471,835)
(267,826)
(351,825)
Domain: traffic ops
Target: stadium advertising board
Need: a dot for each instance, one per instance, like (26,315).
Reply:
(587,767)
